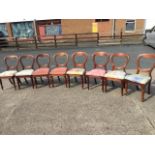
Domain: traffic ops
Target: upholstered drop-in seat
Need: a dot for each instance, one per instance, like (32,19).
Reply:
(76,71)
(116,74)
(138,78)
(25,72)
(59,71)
(41,71)
(96,72)
(8,73)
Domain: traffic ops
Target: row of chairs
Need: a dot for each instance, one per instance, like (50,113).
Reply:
(100,71)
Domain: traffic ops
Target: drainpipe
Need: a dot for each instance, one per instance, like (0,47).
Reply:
(113,28)
(35,29)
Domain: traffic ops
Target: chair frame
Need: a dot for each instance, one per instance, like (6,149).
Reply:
(114,67)
(8,67)
(29,56)
(138,71)
(56,56)
(46,65)
(81,65)
(96,65)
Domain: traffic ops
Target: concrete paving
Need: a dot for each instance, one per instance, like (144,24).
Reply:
(72,110)
(61,110)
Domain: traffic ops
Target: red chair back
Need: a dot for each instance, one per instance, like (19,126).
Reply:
(100,54)
(79,54)
(61,55)
(42,56)
(145,56)
(119,55)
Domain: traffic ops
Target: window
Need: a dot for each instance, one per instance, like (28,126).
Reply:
(23,30)
(3,30)
(102,20)
(130,25)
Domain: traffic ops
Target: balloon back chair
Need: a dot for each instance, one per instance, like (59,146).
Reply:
(99,68)
(27,69)
(143,76)
(79,68)
(11,70)
(118,71)
(43,68)
(61,67)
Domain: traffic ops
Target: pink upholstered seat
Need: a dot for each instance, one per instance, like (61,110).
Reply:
(58,71)
(96,72)
(41,71)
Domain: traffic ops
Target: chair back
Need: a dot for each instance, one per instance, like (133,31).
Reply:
(139,62)
(120,56)
(42,56)
(10,58)
(60,55)
(81,54)
(102,54)
(28,58)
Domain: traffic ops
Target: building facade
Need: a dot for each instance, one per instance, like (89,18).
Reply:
(47,28)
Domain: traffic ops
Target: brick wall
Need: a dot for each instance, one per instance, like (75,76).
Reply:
(70,26)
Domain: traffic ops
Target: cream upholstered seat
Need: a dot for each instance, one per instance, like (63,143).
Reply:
(8,73)
(138,78)
(76,71)
(115,74)
(25,72)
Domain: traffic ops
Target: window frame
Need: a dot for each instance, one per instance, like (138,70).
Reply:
(130,31)
(101,20)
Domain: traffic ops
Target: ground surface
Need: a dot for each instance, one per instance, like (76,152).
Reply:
(62,110)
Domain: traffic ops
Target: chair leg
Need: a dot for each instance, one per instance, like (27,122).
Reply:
(51,81)
(41,79)
(87,82)
(95,80)
(18,82)
(32,82)
(82,81)
(35,82)
(26,81)
(65,79)
(59,79)
(149,87)
(48,79)
(102,84)
(137,87)
(122,87)
(14,83)
(142,92)
(1,84)
(113,84)
(10,80)
(126,87)
(85,79)
(68,77)
(105,85)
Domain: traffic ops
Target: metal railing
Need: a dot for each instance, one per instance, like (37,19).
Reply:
(68,40)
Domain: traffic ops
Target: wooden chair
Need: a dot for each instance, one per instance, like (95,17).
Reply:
(99,68)
(118,72)
(61,68)
(27,69)
(142,77)
(79,67)
(43,68)
(11,70)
